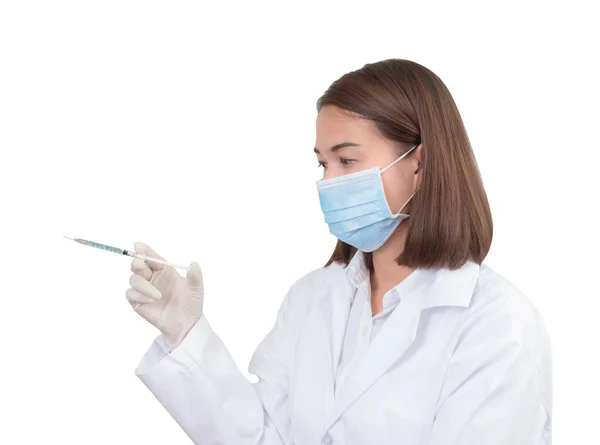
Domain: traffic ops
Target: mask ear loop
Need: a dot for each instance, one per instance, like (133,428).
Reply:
(399,159)
(411,196)
(417,189)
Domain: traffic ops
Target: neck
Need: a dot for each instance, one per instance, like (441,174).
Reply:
(386,272)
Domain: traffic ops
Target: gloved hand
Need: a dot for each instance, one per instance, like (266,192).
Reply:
(164,298)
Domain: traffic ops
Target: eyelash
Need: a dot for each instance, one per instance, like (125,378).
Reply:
(344,161)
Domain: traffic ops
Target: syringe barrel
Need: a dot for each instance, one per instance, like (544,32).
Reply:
(102,246)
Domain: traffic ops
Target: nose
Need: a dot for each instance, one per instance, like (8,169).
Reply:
(332,173)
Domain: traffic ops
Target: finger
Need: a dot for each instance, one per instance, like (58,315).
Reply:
(140,267)
(145,249)
(194,279)
(142,285)
(136,298)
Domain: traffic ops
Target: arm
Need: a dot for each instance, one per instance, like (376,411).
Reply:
(199,384)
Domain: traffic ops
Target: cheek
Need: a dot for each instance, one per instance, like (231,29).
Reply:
(397,191)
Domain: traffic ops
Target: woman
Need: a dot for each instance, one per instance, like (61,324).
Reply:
(404,336)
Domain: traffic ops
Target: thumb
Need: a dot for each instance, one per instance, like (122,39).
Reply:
(194,280)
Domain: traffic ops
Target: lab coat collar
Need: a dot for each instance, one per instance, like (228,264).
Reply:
(445,287)
(432,287)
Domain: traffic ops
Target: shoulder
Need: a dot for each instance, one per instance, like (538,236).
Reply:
(328,276)
(316,284)
(500,311)
(501,335)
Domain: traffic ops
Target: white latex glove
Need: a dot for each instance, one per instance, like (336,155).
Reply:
(164,298)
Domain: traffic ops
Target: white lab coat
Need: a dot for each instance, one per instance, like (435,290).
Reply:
(464,359)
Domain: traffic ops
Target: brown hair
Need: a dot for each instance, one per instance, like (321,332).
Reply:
(450,218)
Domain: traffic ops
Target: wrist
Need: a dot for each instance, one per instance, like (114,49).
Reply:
(174,337)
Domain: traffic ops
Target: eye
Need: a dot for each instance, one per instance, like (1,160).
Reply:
(346,161)
(322,164)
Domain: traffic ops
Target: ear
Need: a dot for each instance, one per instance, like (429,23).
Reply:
(418,165)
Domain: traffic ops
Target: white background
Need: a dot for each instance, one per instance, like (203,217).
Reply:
(191,127)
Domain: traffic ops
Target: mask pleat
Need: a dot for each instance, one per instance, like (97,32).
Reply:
(351,224)
(353,198)
(356,211)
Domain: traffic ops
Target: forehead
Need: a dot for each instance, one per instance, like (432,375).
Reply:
(335,125)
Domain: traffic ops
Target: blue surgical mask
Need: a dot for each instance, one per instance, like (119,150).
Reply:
(356,209)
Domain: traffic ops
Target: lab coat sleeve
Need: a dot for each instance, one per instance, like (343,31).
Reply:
(495,393)
(201,387)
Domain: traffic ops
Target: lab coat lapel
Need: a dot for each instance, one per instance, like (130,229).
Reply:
(335,311)
(396,336)
(423,289)
(320,346)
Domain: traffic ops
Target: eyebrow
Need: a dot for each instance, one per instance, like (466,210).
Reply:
(337,147)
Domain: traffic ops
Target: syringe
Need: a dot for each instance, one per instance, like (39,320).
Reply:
(123,252)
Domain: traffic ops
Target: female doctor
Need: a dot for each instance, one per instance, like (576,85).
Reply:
(404,336)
